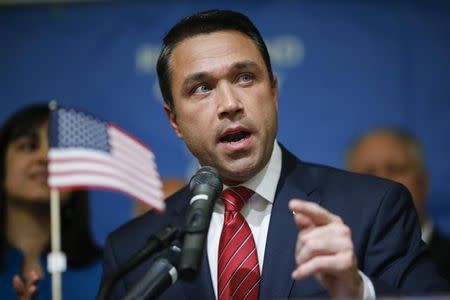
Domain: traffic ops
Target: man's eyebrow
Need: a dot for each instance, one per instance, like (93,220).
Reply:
(194,77)
(245,64)
(201,76)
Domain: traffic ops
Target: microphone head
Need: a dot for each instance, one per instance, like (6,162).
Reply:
(206,175)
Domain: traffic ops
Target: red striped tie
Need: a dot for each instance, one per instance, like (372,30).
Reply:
(238,268)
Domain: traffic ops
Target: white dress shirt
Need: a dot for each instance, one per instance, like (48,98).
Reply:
(427,231)
(257,214)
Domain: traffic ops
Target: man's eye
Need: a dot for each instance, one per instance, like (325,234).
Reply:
(245,77)
(201,89)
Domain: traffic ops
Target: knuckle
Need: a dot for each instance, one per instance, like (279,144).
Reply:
(307,247)
(312,248)
(338,219)
(344,231)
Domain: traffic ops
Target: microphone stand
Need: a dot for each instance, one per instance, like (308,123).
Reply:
(159,277)
(156,242)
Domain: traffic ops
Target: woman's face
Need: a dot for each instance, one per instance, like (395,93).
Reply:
(26,171)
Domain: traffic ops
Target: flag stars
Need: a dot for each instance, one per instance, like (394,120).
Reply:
(77,129)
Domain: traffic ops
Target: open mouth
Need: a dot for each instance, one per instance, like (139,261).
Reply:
(234,137)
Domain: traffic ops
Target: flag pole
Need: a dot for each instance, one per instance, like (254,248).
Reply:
(56,260)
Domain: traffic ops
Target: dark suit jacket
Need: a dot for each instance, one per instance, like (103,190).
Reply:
(380,213)
(440,253)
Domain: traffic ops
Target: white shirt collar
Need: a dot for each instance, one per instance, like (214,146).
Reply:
(427,231)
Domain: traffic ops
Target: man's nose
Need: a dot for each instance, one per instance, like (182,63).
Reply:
(230,104)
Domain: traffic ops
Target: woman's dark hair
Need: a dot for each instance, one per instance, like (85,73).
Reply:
(76,237)
(201,23)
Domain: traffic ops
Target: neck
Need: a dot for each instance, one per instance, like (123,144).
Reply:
(27,228)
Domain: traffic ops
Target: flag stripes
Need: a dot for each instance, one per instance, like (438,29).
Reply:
(107,157)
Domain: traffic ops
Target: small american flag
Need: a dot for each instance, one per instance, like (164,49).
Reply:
(86,152)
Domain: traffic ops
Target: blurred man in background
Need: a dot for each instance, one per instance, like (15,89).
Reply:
(396,154)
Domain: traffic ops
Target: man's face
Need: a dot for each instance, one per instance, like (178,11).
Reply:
(225,106)
(385,156)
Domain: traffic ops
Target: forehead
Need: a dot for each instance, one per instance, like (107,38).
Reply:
(39,129)
(212,52)
(383,145)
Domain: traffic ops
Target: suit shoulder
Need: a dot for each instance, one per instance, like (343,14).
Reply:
(360,199)
(331,183)
(318,176)
(332,177)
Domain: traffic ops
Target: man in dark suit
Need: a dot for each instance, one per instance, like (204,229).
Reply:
(396,154)
(350,236)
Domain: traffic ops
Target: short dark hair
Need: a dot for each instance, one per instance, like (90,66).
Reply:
(76,237)
(201,23)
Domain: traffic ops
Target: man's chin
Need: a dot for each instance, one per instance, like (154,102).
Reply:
(234,175)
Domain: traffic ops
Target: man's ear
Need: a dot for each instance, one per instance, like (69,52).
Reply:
(172,120)
(275,90)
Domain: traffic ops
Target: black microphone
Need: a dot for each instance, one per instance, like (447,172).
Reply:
(155,243)
(158,278)
(206,187)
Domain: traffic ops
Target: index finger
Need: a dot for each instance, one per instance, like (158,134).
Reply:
(318,215)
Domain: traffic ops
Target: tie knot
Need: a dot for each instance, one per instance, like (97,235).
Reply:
(235,198)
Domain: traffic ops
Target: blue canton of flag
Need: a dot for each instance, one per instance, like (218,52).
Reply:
(86,152)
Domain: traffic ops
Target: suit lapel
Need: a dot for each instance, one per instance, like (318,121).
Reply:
(282,235)
(202,287)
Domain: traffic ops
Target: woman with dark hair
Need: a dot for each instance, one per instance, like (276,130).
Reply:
(25,217)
